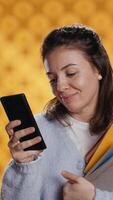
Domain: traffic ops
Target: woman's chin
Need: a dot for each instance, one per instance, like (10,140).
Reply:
(73,109)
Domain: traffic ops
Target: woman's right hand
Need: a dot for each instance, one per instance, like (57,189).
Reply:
(16,147)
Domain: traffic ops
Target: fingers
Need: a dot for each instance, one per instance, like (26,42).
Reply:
(21,133)
(78,188)
(72,178)
(11,125)
(16,145)
(18,153)
(28,143)
(14,139)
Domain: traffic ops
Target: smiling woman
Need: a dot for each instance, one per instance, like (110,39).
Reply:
(82,46)
(81,79)
(70,73)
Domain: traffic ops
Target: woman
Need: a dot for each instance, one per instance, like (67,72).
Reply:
(80,75)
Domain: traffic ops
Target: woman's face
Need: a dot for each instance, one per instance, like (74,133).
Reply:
(74,81)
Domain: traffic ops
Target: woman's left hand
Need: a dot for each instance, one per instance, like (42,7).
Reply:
(77,187)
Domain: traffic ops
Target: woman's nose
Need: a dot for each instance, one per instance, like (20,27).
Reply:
(62,85)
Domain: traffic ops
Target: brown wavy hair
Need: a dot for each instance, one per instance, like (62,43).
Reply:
(86,40)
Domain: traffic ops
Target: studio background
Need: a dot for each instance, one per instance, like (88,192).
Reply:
(23,25)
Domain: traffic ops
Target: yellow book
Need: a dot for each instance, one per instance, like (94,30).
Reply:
(106,143)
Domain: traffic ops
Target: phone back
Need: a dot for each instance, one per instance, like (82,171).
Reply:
(17,107)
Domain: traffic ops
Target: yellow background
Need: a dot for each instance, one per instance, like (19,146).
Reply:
(23,25)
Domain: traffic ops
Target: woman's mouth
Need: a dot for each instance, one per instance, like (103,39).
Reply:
(67,98)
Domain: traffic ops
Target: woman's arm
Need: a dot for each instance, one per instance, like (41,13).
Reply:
(21,181)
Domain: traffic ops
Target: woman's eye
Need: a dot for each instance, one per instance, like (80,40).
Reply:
(53,81)
(71,74)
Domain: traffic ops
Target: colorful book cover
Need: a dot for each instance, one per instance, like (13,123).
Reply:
(102,160)
(105,144)
(102,178)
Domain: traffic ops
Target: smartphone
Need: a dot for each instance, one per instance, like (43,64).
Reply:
(17,107)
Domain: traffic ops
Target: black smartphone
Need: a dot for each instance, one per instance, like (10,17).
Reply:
(17,107)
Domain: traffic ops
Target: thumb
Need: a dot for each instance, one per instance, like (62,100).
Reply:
(72,178)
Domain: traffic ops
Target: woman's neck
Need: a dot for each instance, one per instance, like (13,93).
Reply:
(85,117)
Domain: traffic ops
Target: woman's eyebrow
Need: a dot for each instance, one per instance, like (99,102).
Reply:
(62,68)
(68,65)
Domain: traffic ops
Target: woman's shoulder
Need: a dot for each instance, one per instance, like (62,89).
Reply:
(41,118)
(44,123)
(49,128)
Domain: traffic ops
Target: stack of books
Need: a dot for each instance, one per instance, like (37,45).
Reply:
(99,162)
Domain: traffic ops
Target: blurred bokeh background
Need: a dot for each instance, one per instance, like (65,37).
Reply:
(23,25)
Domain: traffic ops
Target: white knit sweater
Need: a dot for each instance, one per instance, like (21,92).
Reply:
(41,179)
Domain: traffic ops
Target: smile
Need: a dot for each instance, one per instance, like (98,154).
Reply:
(67,98)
